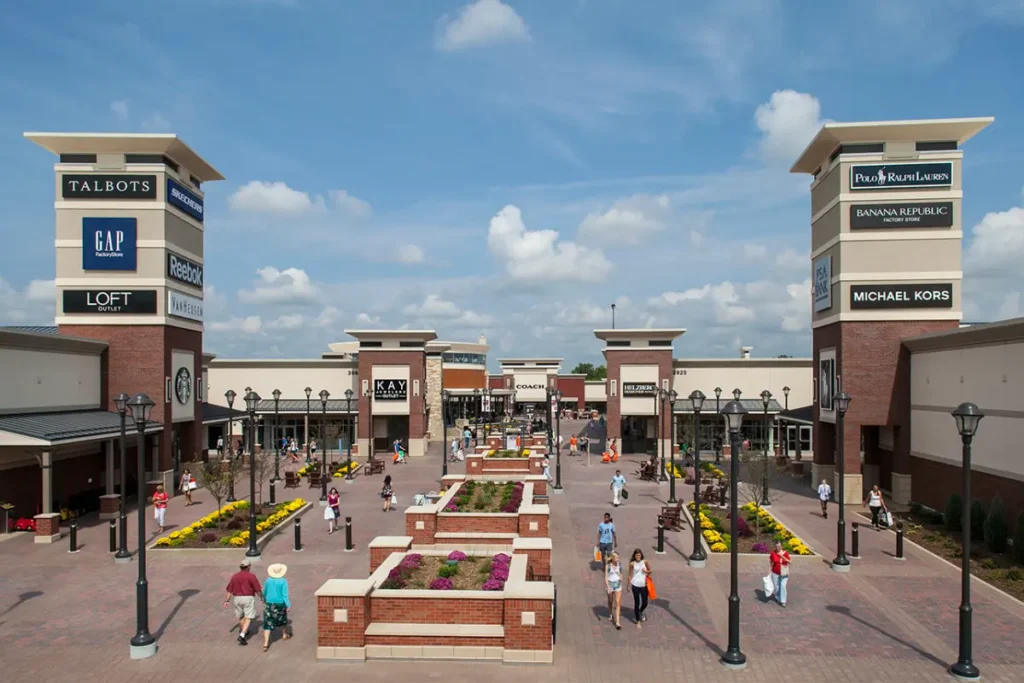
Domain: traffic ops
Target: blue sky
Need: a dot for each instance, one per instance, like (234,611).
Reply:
(508,168)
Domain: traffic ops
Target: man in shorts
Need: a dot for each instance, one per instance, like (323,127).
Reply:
(606,540)
(242,591)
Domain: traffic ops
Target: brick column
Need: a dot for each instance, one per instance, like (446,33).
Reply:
(538,554)
(382,547)
(342,615)
(533,520)
(47,527)
(421,526)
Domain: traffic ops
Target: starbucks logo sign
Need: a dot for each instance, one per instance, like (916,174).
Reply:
(183,385)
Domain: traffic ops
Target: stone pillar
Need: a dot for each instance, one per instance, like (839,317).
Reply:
(110,467)
(382,547)
(433,396)
(110,501)
(46,464)
(47,522)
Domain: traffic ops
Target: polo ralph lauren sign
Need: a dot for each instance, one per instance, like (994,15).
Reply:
(81,186)
(633,389)
(898,176)
(390,389)
(913,215)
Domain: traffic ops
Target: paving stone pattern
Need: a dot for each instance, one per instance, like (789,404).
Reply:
(69,617)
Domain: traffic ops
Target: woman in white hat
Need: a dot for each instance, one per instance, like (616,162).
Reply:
(275,595)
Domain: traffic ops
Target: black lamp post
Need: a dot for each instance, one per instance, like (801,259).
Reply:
(276,393)
(444,430)
(671,396)
(324,395)
(784,435)
(697,559)
(733,413)
(660,451)
(252,400)
(230,396)
(309,392)
(122,555)
(549,394)
(558,435)
(841,563)
(613,316)
(476,420)
(736,393)
(348,413)
(718,439)
(143,644)
(766,399)
(967,416)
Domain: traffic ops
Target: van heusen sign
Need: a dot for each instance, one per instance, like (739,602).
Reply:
(884,176)
(390,389)
(82,186)
(639,389)
(184,306)
(184,199)
(931,295)
(912,215)
(110,301)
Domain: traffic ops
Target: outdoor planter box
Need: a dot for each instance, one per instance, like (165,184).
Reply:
(357,620)
(481,464)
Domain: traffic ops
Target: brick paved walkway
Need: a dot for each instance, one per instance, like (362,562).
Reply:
(69,617)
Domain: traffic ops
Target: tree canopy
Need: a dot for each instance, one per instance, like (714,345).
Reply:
(592,373)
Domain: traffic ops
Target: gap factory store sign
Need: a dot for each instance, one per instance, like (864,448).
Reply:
(390,389)
(110,301)
(639,389)
(79,186)
(938,295)
(109,244)
(885,176)
(184,199)
(912,215)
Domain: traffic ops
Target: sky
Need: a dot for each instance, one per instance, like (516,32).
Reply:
(508,168)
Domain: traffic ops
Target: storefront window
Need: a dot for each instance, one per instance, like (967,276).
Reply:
(464,358)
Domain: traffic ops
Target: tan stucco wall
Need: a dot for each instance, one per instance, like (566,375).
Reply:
(750,377)
(48,380)
(291,380)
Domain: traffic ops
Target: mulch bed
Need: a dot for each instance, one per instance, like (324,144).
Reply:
(483,497)
(473,571)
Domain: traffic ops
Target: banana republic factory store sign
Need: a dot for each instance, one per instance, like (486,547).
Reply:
(912,215)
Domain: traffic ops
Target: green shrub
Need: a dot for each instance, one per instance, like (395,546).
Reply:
(1014,574)
(447,571)
(996,529)
(978,520)
(915,508)
(954,515)
(1018,540)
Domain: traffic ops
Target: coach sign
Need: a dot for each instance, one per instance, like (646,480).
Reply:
(897,176)
(939,295)
(912,215)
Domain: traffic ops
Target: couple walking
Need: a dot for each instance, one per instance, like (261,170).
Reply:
(638,573)
(242,591)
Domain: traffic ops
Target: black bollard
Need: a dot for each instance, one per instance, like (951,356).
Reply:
(73,536)
(113,536)
(855,550)
(899,541)
(273,492)
(298,536)
(661,537)
(348,535)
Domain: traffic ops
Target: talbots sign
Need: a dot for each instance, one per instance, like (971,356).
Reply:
(81,186)
(915,215)
(108,244)
(823,283)
(110,301)
(184,199)
(882,176)
(183,270)
(390,389)
(184,306)
(639,389)
(938,295)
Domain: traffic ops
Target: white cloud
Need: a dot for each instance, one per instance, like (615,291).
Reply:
(288,321)
(157,123)
(33,305)
(484,22)
(252,324)
(534,255)
(753,253)
(763,304)
(367,319)
(288,286)
(790,259)
(433,307)
(410,254)
(788,122)
(992,283)
(328,317)
(258,196)
(119,109)
(349,205)
(628,221)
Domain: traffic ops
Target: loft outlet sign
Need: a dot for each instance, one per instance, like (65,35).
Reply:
(883,176)
(109,244)
(639,389)
(82,186)
(110,301)
(390,389)
(939,295)
(912,215)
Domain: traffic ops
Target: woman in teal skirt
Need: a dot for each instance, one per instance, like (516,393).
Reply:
(275,595)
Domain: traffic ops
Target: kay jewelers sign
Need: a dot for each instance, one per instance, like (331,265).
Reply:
(930,295)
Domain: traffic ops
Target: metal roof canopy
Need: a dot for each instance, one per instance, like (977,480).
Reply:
(128,143)
(833,134)
(640,333)
(53,429)
(374,335)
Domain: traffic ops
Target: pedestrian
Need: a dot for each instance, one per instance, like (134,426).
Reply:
(560,443)
(276,604)
(387,493)
(455,448)
(186,486)
(547,468)
(242,591)
(333,502)
(160,499)
(606,539)
(613,584)
(572,444)
(467,435)
(639,572)
(618,483)
(780,561)
(220,446)
(875,503)
(312,447)
(824,493)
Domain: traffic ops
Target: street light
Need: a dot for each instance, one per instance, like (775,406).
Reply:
(230,396)
(671,396)
(143,644)
(736,393)
(784,435)
(733,413)
(348,413)
(122,555)
(476,422)
(766,399)
(967,416)
(558,436)
(276,393)
(697,559)
(658,430)
(718,440)
(324,395)
(841,563)
(444,430)
(308,392)
(252,400)
(613,316)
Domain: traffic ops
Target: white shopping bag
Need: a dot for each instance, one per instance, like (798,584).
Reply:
(889,519)
(394,499)
(769,586)
(328,513)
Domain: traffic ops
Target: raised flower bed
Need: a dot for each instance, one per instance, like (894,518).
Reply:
(507,453)
(525,461)
(487,496)
(757,531)
(342,468)
(229,526)
(707,468)
(457,571)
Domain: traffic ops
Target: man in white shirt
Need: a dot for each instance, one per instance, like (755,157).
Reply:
(824,493)
(618,483)
(455,447)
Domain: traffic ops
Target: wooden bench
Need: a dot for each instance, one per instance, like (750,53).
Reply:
(291,480)
(374,466)
(648,471)
(314,480)
(671,517)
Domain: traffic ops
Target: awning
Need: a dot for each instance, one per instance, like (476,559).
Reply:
(298,405)
(41,430)
(215,414)
(753,406)
(804,415)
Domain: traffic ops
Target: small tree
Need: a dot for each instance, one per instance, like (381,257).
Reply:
(216,476)
(756,470)
(1018,540)
(977,521)
(954,514)
(996,529)
(263,461)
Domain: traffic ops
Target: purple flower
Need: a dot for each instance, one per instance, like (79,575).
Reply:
(760,548)
(393,584)
(501,558)
(457,555)
(499,573)
(395,573)
(493,585)
(442,585)
(414,557)
(451,507)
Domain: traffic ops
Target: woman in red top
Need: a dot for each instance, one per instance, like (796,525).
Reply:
(780,571)
(160,499)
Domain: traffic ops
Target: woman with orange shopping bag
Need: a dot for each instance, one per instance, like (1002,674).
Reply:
(642,585)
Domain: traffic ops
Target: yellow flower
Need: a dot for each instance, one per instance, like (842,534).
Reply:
(163,542)
(706,524)
(238,541)
(719,548)
(174,535)
(712,536)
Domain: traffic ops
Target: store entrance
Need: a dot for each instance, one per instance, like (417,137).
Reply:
(639,434)
(387,428)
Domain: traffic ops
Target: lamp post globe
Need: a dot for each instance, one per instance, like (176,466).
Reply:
(733,413)
(122,555)
(766,399)
(230,395)
(324,395)
(697,558)
(967,416)
(252,401)
(142,644)
(841,405)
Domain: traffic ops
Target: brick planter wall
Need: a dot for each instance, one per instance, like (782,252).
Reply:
(399,610)
(47,527)
(520,634)
(109,506)
(382,547)
(423,523)
(421,526)
(538,554)
(533,525)
(483,522)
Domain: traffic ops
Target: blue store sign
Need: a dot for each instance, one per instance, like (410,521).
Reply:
(109,244)
(184,199)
